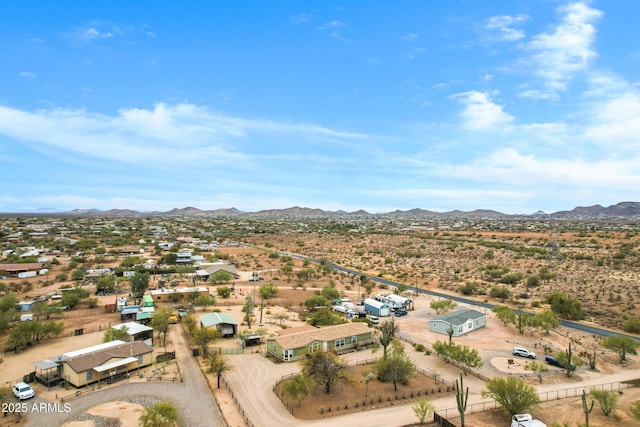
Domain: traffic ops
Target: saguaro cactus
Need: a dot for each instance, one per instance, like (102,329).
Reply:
(586,408)
(461,399)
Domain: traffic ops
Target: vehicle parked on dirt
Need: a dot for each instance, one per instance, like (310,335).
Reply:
(526,420)
(523,352)
(23,391)
(374,319)
(400,312)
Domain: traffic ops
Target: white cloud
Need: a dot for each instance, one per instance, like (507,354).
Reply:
(300,19)
(409,37)
(510,167)
(500,28)
(480,113)
(616,124)
(28,75)
(165,135)
(558,55)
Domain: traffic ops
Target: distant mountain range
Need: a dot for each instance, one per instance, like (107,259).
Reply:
(623,210)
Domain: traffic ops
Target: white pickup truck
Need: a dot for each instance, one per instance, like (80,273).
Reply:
(526,420)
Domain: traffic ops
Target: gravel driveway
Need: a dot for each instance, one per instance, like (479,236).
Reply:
(193,398)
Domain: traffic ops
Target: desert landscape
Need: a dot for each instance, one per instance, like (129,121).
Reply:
(593,263)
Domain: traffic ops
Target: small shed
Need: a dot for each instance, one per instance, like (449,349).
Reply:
(377,308)
(462,321)
(227,325)
(110,305)
(26,305)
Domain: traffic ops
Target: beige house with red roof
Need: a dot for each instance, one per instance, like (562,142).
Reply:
(293,344)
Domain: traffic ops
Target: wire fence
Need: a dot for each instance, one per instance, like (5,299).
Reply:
(544,396)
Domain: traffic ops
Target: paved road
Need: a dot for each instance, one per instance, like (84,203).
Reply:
(193,398)
(567,323)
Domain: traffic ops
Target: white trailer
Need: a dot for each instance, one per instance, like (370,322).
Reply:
(26,274)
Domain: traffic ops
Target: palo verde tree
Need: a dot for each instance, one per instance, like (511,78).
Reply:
(202,337)
(423,410)
(298,388)
(160,324)
(621,345)
(397,367)
(327,370)
(513,394)
(606,399)
(112,334)
(161,414)
(443,305)
(247,309)
(139,283)
(218,364)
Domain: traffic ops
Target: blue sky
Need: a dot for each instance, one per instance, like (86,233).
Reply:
(508,105)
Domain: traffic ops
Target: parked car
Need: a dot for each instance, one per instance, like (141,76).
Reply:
(374,319)
(23,391)
(523,352)
(552,361)
(400,312)
(526,420)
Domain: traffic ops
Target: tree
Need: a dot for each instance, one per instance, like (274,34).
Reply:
(621,345)
(500,292)
(105,284)
(160,323)
(397,367)
(567,362)
(316,301)
(161,414)
(461,399)
(546,274)
(204,301)
(218,364)
(268,290)
(505,314)
(327,370)
(305,274)
(564,306)
(585,408)
(298,388)
(537,368)
(632,326)
(606,399)
(546,320)
(77,274)
(443,305)
(330,292)
(466,357)
(423,409)
(220,276)
(288,270)
(388,331)
(513,394)
(533,281)
(247,309)
(224,291)
(202,337)
(325,317)
(635,409)
(33,332)
(139,283)
(112,334)
(400,288)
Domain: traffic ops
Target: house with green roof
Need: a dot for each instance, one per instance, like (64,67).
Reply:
(462,321)
(224,323)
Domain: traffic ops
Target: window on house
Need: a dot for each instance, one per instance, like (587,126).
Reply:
(140,360)
(354,340)
(340,342)
(90,374)
(314,347)
(287,354)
